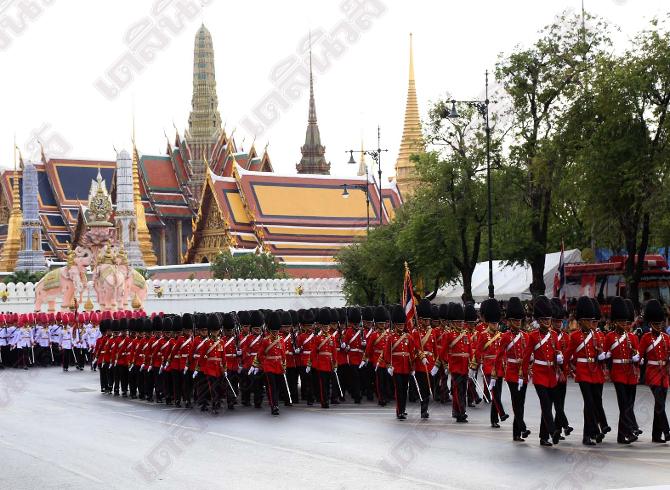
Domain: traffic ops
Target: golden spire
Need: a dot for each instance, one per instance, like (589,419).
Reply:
(10,250)
(143,236)
(412,140)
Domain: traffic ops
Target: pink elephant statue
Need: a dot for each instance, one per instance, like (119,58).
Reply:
(135,286)
(65,282)
(108,282)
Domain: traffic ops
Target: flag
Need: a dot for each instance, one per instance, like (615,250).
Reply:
(408,298)
(559,278)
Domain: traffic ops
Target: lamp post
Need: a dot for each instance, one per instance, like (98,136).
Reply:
(482,107)
(376,156)
(365,188)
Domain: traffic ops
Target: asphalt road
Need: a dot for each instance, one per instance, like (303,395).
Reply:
(58,431)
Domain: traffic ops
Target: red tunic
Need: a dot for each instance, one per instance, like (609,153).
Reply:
(159,353)
(401,351)
(290,358)
(543,349)
(583,353)
(249,346)
(563,341)
(338,338)
(323,353)
(425,342)
(305,344)
(510,355)
(183,351)
(271,357)
(455,351)
(623,347)
(169,350)
(213,359)
(354,338)
(655,350)
(488,346)
(199,352)
(376,345)
(103,349)
(232,361)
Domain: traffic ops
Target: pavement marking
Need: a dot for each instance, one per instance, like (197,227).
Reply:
(47,460)
(299,452)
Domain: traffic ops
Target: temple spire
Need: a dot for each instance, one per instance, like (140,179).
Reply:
(12,245)
(313,159)
(412,140)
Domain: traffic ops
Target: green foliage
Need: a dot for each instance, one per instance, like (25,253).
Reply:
(24,277)
(145,273)
(246,266)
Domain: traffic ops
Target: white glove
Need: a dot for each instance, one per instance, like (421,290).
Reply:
(343,345)
(520,382)
(609,355)
(195,373)
(492,384)
(434,371)
(308,369)
(149,369)
(334,369)
(238,352)
(363,344)
(559,358)
(114,363)
(446,370)
(412,373)
(390,370)
(636,358)
(185,370)
(239,369)
(641,361)
(602,356)
(424,361)
(362,365)
(160,370)
(296,351)
(472,373)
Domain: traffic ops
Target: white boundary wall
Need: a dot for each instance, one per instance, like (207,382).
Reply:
(206,295)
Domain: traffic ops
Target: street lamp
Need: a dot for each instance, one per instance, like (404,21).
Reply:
(345,195)
(376,156)
(482,107)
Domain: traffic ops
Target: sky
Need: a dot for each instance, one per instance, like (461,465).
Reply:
(59,85)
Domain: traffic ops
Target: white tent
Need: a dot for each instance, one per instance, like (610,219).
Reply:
(508,281)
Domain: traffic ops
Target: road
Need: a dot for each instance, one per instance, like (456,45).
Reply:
(58,431)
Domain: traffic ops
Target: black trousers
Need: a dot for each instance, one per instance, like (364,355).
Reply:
(120,379)
(81,359)
(355,381)
(626,402)
(66,353)
(187,386)
(6,355)
(600,410)
(400,385)
(176,380)
(381,385)
(473,396)
(589,394)
(246,386)
(149,383)
(518,396)
(561,419)
(547,397)
(368,381)
(324,379)
(660,423)
(132,380)
(272,383)
(497,409)
(306,385)
(459,386)
(257,387)
(335,387)
(292,378)
(422,379)
(202,393)
(106,377)
(216,390)
(234,379)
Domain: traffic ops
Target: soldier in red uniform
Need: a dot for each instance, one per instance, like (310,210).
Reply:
(165,370)
(201,393)
(323,359)
(139,359)
(542,351)
(399,354)
(558,315)
(441,378)
(270,361)
(455,353)
(136,337)
(425,340)
(286,332)
(249,352)
(655,352)
(117,351)
(489,362)
(304,352)
(173,369)
(353,338)
(158,354)
(512,348)
(623,351)
(376,344)
(338,328)
(102,354)
(186,360)
(231,360)
(243,336)
(583,353)
(366,371)
(603,356)
(213,367)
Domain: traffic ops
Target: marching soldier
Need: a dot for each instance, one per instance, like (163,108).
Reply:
(66,342)
(376,344)
(249,352)
(102,352)
(512,348)
(655,351)
(322,359)
(488,360)
(558,316)
(232,361)
(354,340)
(214,368)
(304,352)
(367,374)
(424,339)
(542,351)
(289,342)
(270,361)
(42,342)
(623,349)
(167,362)
(23,342)
(454,355)
(201,389)
(602,358)
(186,359)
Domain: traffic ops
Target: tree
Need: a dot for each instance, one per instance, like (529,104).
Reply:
(247,266)
(541,82)
(24,277)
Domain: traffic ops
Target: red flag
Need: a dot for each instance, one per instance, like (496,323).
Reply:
(408,298)
(559,278)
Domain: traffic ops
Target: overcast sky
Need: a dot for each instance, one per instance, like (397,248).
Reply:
(60,49)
